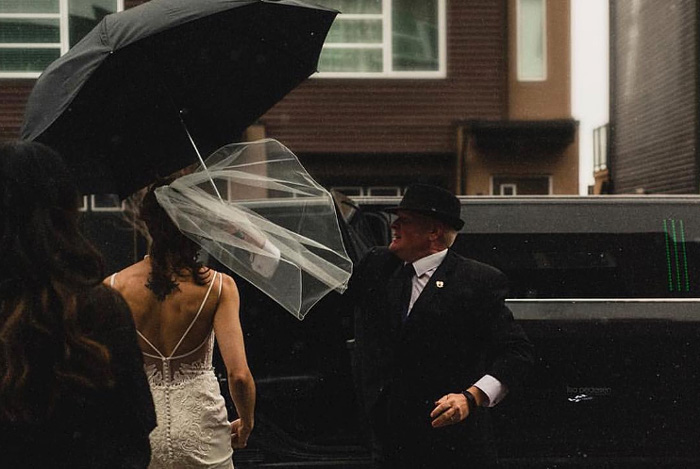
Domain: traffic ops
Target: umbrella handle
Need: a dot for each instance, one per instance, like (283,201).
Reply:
(201,160)
(256,237)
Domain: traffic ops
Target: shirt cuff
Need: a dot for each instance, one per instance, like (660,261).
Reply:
(495,390)
(266,264)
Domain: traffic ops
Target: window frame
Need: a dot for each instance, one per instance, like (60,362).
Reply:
(502,189)
(372,191)
(387,47)
(519,46)
(83,203)
(600,148)
(94,207)
(64,31)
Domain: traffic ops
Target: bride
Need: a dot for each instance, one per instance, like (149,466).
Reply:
(179,307)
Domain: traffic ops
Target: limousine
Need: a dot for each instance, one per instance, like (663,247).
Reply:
(607,288)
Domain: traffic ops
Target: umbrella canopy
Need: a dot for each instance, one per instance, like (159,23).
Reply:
(121,105)
(267,220)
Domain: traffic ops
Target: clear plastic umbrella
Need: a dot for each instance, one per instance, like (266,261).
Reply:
(255,209)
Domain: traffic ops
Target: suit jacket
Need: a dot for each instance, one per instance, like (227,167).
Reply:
(459,329)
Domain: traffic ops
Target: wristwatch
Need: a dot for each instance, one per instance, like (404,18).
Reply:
(471,401)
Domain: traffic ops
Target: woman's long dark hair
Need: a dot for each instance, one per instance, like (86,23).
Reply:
(47,265)
(171,252)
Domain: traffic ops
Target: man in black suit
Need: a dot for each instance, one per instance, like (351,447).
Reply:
(435,343)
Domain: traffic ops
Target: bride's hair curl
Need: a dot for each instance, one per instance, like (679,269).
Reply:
(172,253)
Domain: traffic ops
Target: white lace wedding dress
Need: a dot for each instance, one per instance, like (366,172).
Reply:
(193,429)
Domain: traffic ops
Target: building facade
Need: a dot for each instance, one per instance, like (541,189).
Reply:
(654,107)
(472,95)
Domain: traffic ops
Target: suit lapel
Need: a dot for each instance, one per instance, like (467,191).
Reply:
(394,286)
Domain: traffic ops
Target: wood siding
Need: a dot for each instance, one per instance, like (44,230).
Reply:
(378,115)
(654,100)
(404,115)
(13,99)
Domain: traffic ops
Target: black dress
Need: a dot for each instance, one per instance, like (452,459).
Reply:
(105,428)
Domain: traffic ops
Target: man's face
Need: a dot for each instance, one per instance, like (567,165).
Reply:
(411,236)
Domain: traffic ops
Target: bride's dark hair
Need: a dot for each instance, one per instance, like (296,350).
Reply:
(171,252)
(48,266)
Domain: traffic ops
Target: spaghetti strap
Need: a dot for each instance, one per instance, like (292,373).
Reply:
(111,279)
(160,355)
(201,307)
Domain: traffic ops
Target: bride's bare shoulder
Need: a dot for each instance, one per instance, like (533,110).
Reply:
(228,285)
(137,272)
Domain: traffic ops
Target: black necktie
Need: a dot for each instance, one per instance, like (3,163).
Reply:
(407,273)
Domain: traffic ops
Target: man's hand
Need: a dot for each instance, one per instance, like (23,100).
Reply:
(449,409)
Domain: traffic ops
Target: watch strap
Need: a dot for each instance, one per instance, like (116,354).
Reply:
(471,401)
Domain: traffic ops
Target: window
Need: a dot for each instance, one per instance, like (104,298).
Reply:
(106,203)
(384,191)
(350,191)
(385,38)
(600,148)
(532,40)
(517,185)
(370,191)
(589,264)
(587,248)
(508,189)
(35,33)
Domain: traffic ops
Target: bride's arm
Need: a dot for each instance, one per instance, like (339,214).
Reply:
(229,335)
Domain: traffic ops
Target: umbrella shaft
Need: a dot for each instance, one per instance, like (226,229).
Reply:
(201,160)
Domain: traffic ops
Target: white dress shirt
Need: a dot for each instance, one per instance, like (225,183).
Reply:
(425,268)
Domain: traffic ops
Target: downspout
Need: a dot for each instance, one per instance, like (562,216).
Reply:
(460,180)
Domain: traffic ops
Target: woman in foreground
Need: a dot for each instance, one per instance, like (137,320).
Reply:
(73,393)
(179,306)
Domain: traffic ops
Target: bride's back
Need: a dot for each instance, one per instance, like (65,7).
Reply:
(165,323)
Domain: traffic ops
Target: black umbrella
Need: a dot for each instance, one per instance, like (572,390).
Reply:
(127,103)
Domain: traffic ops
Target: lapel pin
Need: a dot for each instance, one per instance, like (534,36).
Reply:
(439,284)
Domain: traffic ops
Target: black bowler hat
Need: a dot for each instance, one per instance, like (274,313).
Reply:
(432,201)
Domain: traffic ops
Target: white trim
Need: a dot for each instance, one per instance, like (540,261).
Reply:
(360,16)
(30,16)
(30,45)
(20,75)
(84,206)
(94,208)
(442,39)
(64,8)
(387,29)
(354,45)
(544,44)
